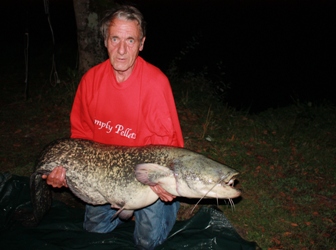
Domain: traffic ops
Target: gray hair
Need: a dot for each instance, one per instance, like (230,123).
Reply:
(125,12)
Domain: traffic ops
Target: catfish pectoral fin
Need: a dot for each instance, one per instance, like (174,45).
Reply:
(141,174)
(150,173)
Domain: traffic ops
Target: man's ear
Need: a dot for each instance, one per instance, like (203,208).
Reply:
(142,43)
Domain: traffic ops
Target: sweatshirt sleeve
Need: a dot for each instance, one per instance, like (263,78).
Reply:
(162,119)
(81,124)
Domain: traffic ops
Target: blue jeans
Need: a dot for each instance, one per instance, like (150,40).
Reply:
(152,225)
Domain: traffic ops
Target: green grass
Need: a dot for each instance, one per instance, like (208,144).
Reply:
(287,162)
(286,156)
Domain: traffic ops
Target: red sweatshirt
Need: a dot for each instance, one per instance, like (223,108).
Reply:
(139,111)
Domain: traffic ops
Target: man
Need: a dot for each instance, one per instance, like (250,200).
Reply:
(126,101)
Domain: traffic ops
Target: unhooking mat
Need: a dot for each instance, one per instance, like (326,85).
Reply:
(62,228)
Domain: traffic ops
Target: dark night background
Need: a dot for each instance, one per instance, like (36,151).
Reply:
(272,52)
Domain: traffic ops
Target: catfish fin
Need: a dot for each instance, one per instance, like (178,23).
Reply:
(40,193)
(150,173)
(124,214)
(41,197)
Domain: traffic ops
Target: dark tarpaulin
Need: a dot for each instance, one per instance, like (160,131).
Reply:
(62,228)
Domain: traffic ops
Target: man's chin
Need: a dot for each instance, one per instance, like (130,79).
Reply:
(120,67)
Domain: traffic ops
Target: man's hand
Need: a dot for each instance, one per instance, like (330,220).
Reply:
(163,194)
(56,178)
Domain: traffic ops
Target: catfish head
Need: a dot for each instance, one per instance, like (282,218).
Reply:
(189,174)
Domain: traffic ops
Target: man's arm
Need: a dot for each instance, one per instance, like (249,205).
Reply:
(79,129)
(163,194)
(56,178)
(80,121)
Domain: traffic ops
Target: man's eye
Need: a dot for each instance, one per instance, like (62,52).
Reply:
(131,41)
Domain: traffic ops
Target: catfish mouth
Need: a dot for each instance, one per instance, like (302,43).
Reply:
(225,187)
(230,181)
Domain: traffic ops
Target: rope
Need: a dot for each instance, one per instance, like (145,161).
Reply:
(53,78)
(26,64)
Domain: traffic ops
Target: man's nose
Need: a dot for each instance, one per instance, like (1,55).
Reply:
(122,47)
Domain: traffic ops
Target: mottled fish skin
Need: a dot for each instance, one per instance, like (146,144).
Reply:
(118,175)
(99,173)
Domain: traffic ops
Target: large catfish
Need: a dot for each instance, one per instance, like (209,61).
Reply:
(121,176)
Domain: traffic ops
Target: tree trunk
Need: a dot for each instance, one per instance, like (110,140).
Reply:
(91,49)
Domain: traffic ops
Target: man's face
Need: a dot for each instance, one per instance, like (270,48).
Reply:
(123,45)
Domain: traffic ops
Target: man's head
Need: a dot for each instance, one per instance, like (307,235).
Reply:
(124,12)
(124,33)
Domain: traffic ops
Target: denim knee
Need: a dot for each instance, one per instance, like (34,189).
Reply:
(154,223)
(98,219)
